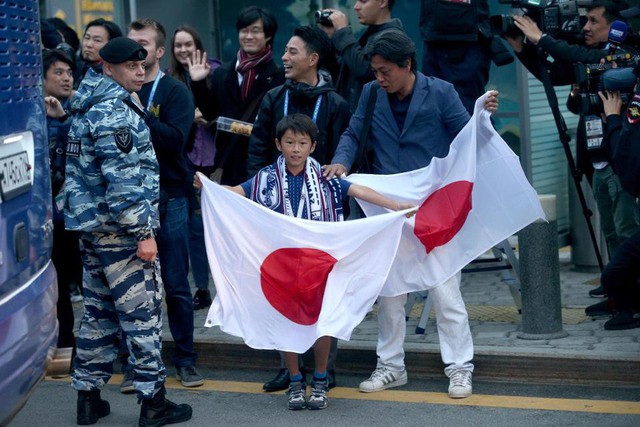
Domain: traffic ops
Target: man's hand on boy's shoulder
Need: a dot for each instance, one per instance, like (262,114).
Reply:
(336,169)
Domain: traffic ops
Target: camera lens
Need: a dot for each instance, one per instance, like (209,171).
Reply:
(504,25)
(322,18)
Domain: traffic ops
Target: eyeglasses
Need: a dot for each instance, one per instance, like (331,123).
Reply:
(255,31)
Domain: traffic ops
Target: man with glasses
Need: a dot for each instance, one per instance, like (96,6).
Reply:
(237,88)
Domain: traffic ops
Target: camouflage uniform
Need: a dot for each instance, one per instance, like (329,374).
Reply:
(111,198)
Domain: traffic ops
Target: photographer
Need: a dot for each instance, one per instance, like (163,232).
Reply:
(355,67)
(616,206)
(621,276)
(600,15)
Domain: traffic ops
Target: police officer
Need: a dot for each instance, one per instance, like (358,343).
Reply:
(111,198)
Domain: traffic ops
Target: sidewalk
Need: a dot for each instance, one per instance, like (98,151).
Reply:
(587,354)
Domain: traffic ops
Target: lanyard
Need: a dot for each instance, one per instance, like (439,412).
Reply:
(315,110)
(153,89)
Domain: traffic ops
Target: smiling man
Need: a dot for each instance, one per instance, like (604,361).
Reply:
(308,90)
(237,87)
(58,86)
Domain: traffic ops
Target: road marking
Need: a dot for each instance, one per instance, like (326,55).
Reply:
(482,400)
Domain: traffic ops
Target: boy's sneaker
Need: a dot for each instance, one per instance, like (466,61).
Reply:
(383,378)
(126,386)
(460,384)
(318,397)
(297,396)
(202,299)
(189,376)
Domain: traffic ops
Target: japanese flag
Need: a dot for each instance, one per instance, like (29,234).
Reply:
(283,282)
(470,200)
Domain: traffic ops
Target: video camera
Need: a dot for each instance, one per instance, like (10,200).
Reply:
(594,78)
(322,18)
(558,18)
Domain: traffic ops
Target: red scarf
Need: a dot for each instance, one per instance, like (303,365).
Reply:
(247,67)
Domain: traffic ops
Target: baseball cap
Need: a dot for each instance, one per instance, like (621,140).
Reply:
(122,49)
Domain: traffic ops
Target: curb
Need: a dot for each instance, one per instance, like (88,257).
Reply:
(426,364)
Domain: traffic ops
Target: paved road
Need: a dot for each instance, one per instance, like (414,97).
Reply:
(236,398)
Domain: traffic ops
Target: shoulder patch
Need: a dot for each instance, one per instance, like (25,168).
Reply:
(633,110)
(124,141)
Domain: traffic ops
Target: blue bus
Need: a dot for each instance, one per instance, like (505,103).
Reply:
(28,284)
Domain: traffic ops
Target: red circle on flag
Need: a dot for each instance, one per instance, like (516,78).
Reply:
(443,214)
(293,280)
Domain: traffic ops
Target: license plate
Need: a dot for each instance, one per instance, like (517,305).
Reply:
(15,177)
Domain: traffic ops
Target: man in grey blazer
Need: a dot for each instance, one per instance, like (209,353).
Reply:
(415,119)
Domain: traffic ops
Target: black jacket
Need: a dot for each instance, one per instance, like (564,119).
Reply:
(333,119)
(442,20)
(561,72)
(621,140)
(169,121)
(355,68)
(224,99)
(562,69)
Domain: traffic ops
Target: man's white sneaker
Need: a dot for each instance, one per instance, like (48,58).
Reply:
(383,378)
(460,384)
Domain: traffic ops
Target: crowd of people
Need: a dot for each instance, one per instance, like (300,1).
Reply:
(128,140)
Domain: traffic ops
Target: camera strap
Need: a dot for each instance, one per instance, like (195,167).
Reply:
(595,131)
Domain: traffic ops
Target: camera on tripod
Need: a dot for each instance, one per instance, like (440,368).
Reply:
(558,18)
(322,18)
(594,78)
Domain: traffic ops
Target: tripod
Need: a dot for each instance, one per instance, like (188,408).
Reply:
(564,139)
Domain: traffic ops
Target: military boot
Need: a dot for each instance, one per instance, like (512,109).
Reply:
(159,411)
(91,407)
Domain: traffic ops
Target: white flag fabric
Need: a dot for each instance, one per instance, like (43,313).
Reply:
(283,282)
(470,200)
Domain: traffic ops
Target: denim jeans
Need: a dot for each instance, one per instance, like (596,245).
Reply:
(173,252)
(197,248)
(617,208)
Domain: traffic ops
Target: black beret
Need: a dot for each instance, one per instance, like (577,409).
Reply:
(122,49)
